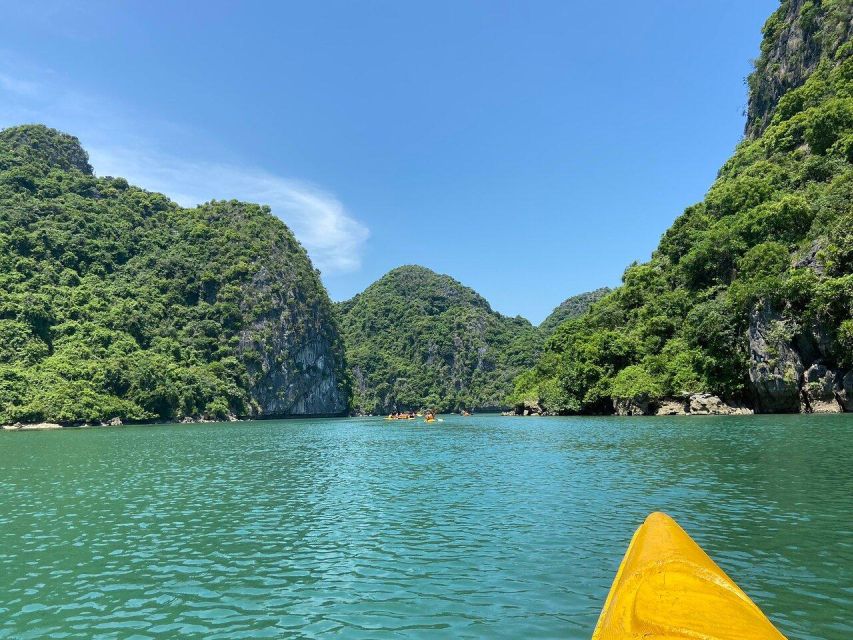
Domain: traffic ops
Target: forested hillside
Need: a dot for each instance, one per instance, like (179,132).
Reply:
(117,303)
(749,295)
(419,339)
(570,308)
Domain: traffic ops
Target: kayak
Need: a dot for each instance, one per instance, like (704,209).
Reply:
(667,588)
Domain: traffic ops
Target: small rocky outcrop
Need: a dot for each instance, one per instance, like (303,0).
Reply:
(32,426)
(775,370)
(672,407)
(528,408)
(700,404)
(638,406)
(820,385)
(707,404)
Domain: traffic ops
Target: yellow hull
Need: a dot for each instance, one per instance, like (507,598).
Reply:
(667,588)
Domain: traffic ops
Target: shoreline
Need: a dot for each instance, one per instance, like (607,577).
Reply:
(54,426)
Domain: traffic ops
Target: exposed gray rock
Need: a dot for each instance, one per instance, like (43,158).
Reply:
(707,404)
(823,338)
(775,370)
(359,381)
(700,404)
(527,408)
(810,259)
(819,389)
(39,426)
(844,392)
(631,406)
(293,354)
(791,53)
(814,342)
(672,407)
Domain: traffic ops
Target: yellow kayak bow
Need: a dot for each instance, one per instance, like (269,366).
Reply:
(667,588)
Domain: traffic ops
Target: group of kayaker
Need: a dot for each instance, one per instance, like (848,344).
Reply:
(428,416)
(403,415)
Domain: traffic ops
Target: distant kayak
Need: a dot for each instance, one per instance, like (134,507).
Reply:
(667,588)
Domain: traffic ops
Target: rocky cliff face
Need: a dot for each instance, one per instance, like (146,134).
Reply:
(844,392)
(791,369)
(293,354)
(820,390)
(776,370)
(796,38)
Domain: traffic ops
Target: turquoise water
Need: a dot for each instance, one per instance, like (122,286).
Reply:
(482,527)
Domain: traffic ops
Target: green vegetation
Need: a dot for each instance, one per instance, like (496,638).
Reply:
(776,227)
(115,302)
(419,339)
(570,308)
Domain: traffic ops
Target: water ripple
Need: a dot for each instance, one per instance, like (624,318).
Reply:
(484,527)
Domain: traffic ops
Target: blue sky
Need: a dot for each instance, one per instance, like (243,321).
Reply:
(532,150)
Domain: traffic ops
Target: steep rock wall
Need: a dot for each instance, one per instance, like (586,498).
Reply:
(796,37)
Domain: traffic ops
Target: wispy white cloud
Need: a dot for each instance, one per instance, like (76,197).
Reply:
(333,237)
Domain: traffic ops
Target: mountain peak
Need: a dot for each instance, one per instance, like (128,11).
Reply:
(37,142)
(424,286)
(416,338)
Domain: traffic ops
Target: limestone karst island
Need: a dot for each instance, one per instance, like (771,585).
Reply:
(426,320)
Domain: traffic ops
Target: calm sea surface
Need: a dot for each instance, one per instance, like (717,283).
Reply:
(482,527)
